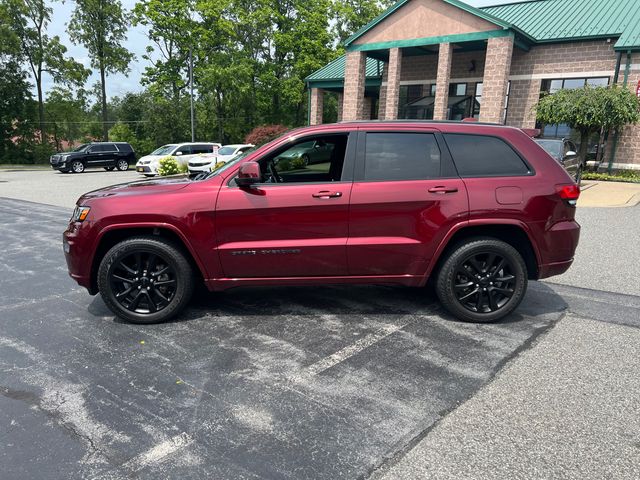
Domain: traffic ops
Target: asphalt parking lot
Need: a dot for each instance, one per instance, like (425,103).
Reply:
(318,382)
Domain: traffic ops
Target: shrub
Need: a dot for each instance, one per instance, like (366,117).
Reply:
(218,165)
(170,166)
(620,176)
(264,134)
(297,163)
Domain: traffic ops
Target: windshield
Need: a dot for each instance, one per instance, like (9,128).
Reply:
(226,151)
(164,150)
(80,148)
(553,147)
(225,166)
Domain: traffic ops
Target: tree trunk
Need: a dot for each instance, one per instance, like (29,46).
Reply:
(41,109)
(105,127)
(584,145)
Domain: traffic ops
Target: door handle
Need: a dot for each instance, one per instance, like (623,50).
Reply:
(327,194)
(442,189)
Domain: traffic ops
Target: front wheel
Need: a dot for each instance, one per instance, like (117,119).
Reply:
(145,280)
(77,166)
(482,280)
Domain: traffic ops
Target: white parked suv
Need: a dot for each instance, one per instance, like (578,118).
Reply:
(208,161)
(182,152)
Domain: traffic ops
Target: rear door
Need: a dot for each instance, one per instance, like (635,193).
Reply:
(406,196)
(295,223)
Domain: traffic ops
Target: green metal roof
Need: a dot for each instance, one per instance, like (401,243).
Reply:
(561,20)
(335,70)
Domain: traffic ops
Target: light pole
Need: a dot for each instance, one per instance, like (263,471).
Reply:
(193,119)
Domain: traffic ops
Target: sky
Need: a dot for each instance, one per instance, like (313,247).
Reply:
(136,43)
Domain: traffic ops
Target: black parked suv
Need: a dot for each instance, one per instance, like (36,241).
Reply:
(108,155)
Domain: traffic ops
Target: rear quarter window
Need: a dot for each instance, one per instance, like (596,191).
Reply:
(125,147)
(484,156)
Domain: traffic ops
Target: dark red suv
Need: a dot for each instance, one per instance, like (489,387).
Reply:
(479,208)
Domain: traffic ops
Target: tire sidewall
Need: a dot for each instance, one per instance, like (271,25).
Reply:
(169,254)
(462,252)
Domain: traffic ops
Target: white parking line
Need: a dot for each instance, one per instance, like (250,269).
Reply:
(347,352)
(158,453)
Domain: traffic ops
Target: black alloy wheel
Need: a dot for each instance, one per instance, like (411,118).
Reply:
(145,280)
(77,166)
(122,165)
(482,280)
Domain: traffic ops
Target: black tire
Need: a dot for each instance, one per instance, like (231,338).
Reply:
(122,165)
(130,275)
(482,280)
(77,166)
(109,169)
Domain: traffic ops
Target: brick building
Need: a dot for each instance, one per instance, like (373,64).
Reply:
(446,60)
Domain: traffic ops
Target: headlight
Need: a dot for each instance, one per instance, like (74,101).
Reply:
(80,213)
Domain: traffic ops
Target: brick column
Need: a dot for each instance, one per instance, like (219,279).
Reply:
(317,106)
(354,80)
(392,94)
(382,104)
(366,108)
(496,78)
(340,100)
(445,54)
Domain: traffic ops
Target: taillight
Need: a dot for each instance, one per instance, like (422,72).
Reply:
(569,193)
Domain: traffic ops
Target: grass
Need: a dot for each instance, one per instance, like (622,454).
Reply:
(631,176)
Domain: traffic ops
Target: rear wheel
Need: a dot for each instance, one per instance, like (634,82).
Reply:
(77,166)
(122,165)
(482,280)
(145,280)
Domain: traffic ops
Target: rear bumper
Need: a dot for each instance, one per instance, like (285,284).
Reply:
(561,241)
(552,269)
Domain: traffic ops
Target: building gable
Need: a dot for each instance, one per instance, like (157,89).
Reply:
(424,18)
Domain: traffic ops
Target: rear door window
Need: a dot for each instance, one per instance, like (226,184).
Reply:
(185,150)
(401,156)
(484,156)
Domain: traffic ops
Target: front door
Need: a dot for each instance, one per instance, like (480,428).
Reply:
(295,223)
(406,196)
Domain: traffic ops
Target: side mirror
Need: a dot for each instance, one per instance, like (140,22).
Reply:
(570,153)
(249,174)
(178,154)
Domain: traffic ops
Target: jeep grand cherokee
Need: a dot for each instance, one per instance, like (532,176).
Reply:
(480,209)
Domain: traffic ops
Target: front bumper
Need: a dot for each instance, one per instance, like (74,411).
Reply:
(146,169)
(78,256)
(200,168)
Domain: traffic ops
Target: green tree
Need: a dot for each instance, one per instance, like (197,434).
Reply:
(351,15)
(589,110)
(66,115)
(29,20)
(101,26)
(170,28)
